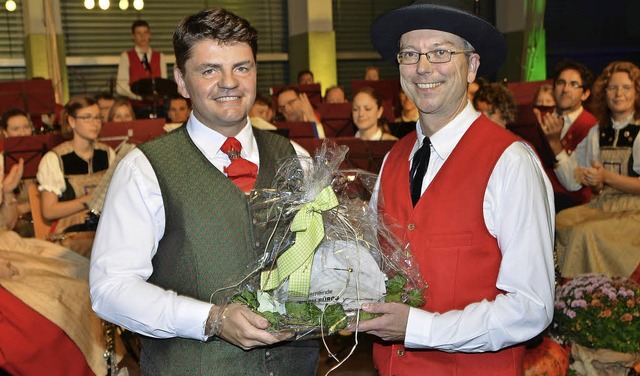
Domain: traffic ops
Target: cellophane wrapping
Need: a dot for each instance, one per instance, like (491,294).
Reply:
(355,261)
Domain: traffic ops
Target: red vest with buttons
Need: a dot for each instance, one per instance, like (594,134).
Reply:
(137,70)
(457,256)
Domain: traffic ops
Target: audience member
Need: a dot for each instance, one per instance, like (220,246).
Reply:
(372,73)
(47,323)
(470,200)
(408,110)
(367,116)
(158,258)
(261,113)
(497,103)
(295,106)
(105,102)
(262,108)
(335,94)
(602,236)
(474,86)
(179,109)
(121,111)
(305,77)
(543,97)
(572,86)
(15,123)
(68,173)
(140,62)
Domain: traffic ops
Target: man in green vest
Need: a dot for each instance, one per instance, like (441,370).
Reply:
(176,225)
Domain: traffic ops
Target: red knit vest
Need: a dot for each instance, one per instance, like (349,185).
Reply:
(456,254)
(137,70)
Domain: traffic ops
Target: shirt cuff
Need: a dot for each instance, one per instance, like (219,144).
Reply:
(418,334)
(192,315)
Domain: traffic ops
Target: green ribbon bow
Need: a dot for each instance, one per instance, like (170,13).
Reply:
(296,261)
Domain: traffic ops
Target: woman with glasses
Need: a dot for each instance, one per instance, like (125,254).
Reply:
(602,236)
(69,172)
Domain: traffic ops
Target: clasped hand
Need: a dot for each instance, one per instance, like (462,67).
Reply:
(592,177)
(391,326)
(247,329)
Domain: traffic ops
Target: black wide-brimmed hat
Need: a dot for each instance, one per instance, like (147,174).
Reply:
(443,15)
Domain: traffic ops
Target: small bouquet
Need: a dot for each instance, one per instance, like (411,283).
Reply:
(600,317)
(325,252)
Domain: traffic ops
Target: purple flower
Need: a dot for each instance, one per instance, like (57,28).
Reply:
(579,303)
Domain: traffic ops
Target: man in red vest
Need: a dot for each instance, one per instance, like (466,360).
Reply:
(571,87)
(470,200)
(139,62)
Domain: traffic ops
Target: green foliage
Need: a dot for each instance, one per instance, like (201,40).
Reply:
(334,317)
(599,313)
(247,298)
(396,292)
(363,316)
(303,313)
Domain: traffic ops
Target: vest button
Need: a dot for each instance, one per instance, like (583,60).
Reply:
(256,244)
(411,226)
(400,352)
(255,221)
(267,354)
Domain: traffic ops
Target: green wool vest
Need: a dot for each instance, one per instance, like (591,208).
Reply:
(209,242)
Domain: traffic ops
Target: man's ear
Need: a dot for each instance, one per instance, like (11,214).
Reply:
(474,64)
(585,94)
(182,89)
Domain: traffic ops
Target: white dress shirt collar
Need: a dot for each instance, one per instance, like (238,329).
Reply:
(445,140)
(139,52)
(209,141)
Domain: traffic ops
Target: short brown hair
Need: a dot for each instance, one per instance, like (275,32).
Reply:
(71,109)
(213,24)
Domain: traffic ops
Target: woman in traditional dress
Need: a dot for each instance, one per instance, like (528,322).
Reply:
(602,236)
(69,172)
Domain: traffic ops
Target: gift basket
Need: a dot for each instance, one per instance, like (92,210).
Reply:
(325,252)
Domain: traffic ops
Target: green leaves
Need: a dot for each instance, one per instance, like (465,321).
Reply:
(396,292)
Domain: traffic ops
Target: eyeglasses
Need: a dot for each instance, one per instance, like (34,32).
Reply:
(435,56)
(89,118)
(614,89)
(572,84)
(287,103)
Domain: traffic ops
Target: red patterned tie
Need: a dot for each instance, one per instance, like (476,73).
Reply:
(241,172)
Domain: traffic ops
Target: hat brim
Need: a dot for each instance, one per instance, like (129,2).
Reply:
(487,41)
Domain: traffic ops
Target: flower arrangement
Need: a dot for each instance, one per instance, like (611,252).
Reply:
(325,251)
(599,312)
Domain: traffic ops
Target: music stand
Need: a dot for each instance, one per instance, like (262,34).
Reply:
(299,129)
(35,97)
(31,149)
(402,128)
(309,144)
(337,119)
(135,132)
(365,155)
(155,88)
(523,91)
(386,89)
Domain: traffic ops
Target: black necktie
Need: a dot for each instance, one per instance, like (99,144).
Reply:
(418,169)
(145,62)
